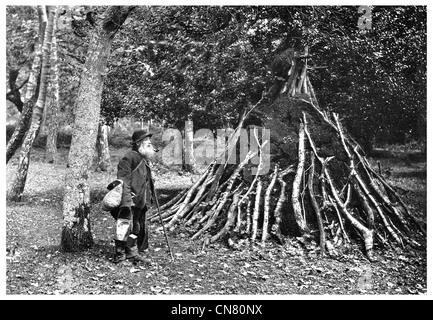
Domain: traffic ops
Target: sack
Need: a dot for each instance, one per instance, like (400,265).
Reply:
(113,198)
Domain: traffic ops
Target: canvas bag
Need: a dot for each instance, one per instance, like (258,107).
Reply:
(113,198)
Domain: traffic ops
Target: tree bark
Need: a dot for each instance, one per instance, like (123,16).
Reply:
(52,111)
(76,232)
(103,150)
(19,181)
(32,91)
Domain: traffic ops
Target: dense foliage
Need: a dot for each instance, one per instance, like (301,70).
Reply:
(377,78)
(208,63)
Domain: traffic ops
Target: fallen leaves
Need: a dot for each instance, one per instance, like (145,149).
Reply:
(156,289)
(37,267)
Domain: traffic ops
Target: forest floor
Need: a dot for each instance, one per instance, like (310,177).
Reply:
(35,266)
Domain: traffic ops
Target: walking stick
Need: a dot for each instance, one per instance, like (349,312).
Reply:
(162,223)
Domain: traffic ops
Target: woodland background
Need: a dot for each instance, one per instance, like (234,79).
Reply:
(170,64)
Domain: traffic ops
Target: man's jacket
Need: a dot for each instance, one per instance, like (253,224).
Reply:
(138,184)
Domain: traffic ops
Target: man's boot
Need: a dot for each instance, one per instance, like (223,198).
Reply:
(120,251)
(132,251)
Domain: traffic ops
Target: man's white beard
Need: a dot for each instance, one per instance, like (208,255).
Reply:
(147,151)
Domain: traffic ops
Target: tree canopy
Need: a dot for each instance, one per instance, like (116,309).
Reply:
(210,62)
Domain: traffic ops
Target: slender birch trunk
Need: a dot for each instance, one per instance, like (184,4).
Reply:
(32,91)
(19,181)
(53,109)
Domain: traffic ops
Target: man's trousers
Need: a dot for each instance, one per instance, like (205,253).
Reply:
(133,221)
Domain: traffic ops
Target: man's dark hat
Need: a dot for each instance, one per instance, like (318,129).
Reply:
(139,135)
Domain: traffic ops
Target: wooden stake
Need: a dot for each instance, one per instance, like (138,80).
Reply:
(266,206)
(297,208)
(248,227)
(256,210)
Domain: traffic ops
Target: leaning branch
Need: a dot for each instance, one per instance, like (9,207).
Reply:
(297,209)
(266,206)
(367,234)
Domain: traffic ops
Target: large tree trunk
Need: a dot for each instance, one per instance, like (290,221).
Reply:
(19,181)
(336,197)
(32,90)
(76,232)
(53,109)
(102,148)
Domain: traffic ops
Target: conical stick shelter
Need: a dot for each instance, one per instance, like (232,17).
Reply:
(320,184)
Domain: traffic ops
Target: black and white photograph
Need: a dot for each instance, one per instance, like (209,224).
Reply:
(215,150)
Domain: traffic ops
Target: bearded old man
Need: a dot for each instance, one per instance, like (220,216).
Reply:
(131,240)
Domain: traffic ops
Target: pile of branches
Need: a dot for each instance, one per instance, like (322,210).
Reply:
(222,204)
(335,201)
